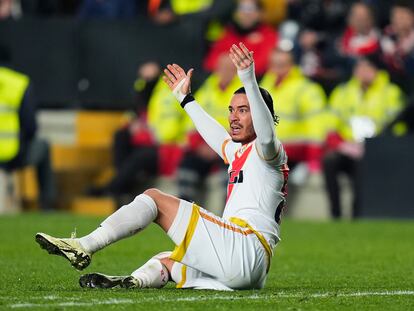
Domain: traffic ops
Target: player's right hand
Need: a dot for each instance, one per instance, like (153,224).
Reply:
(178,81)
(241,57)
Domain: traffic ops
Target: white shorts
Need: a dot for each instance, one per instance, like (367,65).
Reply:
(215,253)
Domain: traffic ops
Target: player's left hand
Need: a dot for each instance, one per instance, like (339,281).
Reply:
(241,57)
(175,76)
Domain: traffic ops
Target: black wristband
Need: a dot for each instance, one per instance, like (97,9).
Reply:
(188,98)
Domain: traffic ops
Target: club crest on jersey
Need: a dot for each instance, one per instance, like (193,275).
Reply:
(236,177)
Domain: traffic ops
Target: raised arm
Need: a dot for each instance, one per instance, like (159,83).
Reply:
(263,123)
(212,132)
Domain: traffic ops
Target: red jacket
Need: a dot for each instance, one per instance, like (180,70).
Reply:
(261,41)
(353,44)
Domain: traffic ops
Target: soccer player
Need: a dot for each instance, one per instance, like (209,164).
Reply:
(221,253)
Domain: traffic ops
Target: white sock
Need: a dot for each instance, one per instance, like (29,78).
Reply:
(153,274)
(126,221)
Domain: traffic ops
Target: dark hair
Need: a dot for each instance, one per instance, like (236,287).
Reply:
(267,99)
(374,59)
(406,4)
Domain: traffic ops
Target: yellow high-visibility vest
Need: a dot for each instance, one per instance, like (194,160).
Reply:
(165,116)
(380,103)
(301,105)
(13,86)
(181,7)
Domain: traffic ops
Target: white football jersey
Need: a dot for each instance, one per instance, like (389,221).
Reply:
(257,188)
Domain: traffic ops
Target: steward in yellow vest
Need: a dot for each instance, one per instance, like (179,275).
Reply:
(18,145)
(359,112)
(360,108)
(301,105)
(165,117)
(13,87)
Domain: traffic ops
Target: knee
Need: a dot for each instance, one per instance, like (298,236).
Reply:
(167,206)
(154,193)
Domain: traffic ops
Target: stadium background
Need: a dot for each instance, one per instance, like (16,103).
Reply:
(83,71)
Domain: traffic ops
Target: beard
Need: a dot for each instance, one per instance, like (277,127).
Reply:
(236,140)
(244,140)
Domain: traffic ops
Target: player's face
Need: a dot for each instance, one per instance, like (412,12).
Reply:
(240,120)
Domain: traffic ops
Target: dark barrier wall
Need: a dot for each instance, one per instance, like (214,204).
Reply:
(48,53)
(387,178)
(93,64)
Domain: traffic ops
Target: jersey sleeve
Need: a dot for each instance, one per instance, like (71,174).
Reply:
(267,145)
(214,134)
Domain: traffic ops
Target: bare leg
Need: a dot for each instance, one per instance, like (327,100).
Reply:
(167,206)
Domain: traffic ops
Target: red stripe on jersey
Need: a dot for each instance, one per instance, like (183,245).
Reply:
(282,206)
(285,171)
(236,167)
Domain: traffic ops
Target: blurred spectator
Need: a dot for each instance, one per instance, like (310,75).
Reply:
(317,60)
(9,9)
(248,28)
(361,36)
(150,143)
(310,59)
(19,146)
(361,108)
(301,104)
(109,9)
(398,44)
(199,159)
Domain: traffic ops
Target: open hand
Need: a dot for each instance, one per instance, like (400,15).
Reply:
(241,57)
(175,76)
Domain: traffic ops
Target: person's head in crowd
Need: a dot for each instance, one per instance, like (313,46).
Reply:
(5,9)
(361,18)
(281,62)
(402,17)
(308,39)
(225,70)
(148,74)
(366,69)
(149,71)
(248,14)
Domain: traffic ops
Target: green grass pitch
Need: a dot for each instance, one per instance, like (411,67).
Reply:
(363,265)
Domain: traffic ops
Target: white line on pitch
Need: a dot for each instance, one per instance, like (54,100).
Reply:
(212,298)
(73,303)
